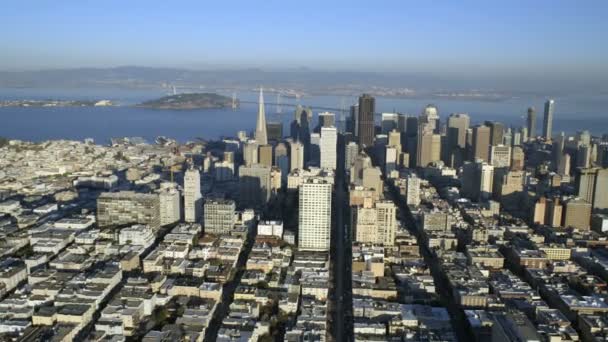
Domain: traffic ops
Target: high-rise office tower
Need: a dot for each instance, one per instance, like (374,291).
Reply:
(583,156)
(402,122)
(548,119)
(219,216)
(254,185)
(477,180)
(500,156)
(250,152)
(518,158)
(428,146)
(352,150)
(430,115)
(315,150)
(296,155)
(265,155)
(486,179)
(314,218)
(497,131)
(326,119)
(531,120)
(456,140)
(394,140)
(412,190)
(169,198)
(281,159)
(507,138)
(193,200)
(481,143)
(457,129)
(517,138)
(353,125)
(389,122)
(260,129)
(367,107)
(329,145)
(275,131)
(585,183)
(600,198)
(391,157)
(563,169)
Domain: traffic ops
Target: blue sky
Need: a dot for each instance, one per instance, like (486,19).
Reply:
(426,36)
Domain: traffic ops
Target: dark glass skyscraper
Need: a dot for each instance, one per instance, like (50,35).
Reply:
(531,120)
(548,119)
(367,106)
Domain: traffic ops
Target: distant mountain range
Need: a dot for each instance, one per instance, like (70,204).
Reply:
(307,80)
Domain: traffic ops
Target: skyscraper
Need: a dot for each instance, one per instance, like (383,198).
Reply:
(254,185)
(296,155)
(326,119)
(169,198)
(500,156)
(193,200)
(600,199)
(329,145)
(430,115)
(281,159)
(497,131)
(367,107)
(428,146)
(352,150)
(275,131)
(585,183)
(548,119)
(265,155)
(456,137)
(481,143)
(260,129)
(389,122)
(314,218)
(531,120)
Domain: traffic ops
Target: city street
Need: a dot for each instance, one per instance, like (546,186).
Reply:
(341,257)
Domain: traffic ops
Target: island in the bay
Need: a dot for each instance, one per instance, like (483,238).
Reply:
(190,101)
(55,103)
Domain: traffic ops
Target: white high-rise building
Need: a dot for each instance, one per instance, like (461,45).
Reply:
(329,145)
(314,221)
(250,152)
(193,200)
(296,155)
(486,179)
(412,196)
(169,197)
(352,150)
(390,160)
(500,156)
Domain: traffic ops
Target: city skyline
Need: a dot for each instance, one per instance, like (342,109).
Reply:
(454,193)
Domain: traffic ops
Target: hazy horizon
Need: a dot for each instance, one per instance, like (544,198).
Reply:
(474,39)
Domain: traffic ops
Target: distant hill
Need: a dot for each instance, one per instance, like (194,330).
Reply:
(189,101)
